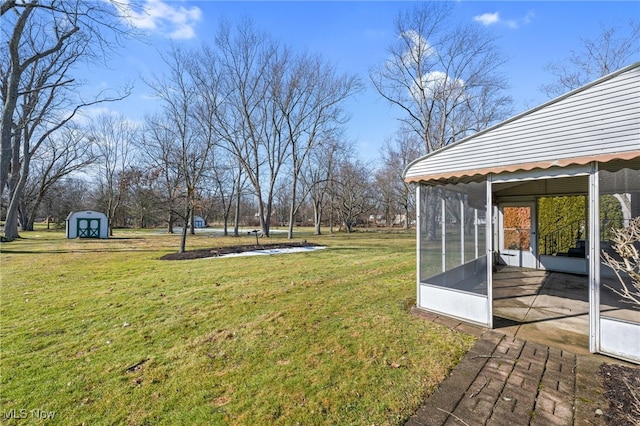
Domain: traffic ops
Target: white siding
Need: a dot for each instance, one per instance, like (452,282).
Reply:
(600,119)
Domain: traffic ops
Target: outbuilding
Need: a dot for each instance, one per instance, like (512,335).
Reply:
(87,224)
(481,203)
(199,222)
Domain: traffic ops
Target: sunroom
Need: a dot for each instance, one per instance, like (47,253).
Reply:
(544,190)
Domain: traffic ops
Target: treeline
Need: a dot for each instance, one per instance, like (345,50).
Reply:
(247,131)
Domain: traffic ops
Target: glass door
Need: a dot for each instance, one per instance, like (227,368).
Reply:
(518,234)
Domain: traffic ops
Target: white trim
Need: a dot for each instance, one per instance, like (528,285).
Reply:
(570,265)
(419,241)
(461,207)
(476,243)
(526,175)
(489,248)
(593,257)
(469,307)
(620,338)
(443,228)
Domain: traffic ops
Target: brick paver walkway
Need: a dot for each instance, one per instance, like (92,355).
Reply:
(505,381)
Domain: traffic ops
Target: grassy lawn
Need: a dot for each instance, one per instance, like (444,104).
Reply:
(102,332)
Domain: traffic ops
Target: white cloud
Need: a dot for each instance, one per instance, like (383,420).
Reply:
(529,17)
(494,18)
(173,21)
(438,85)
(419,47)
(488,18)
(512,24)
(437,82)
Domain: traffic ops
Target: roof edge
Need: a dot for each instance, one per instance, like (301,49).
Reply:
(565,162)
(522,114)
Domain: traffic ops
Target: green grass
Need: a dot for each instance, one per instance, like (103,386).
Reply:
(102,332)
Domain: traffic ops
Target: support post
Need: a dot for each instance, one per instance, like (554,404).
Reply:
(593,257)
(489,244)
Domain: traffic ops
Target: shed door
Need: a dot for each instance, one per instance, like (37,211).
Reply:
(518,234)
(88,228)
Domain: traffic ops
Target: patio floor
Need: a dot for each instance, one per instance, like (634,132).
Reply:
(551,308)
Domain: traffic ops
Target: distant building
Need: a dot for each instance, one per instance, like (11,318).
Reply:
(87,224)
(199,222)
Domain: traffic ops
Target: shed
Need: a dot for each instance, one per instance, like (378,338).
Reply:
(87,224)
(198,222)
(481,201)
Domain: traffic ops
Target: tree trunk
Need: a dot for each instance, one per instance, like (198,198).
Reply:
(317,218)
(11,222)
(11,100)
(331,218)
(406,217)
(292,211)
(431,222)
(236,219)
(17,182)
(24,217)
(183,236)
(264,217)
(170,223)
(185,226)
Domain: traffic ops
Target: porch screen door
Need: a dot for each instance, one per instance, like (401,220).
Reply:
(518,235)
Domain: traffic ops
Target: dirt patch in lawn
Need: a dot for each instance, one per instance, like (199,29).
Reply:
(622,390)
(220,251)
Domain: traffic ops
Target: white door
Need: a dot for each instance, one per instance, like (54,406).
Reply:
(518,234)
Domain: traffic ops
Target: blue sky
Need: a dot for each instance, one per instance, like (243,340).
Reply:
(355,35)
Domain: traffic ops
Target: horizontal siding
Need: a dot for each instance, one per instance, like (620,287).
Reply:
(601,119)
(572,185)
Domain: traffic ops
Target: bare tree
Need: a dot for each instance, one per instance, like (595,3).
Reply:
(396,156)
(64,196)
(595,58)
(114,138)
(626,265)
(248,122)
(442,75)
(187,115)
(226,177)
(62,154)
(56,32)
(159,155)
(240,183)
(44,41)
(142,201)
(354,194)
(309,97)
(318,175)
(45,108)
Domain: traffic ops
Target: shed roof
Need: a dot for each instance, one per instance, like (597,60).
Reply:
(597,122)
(86,213)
